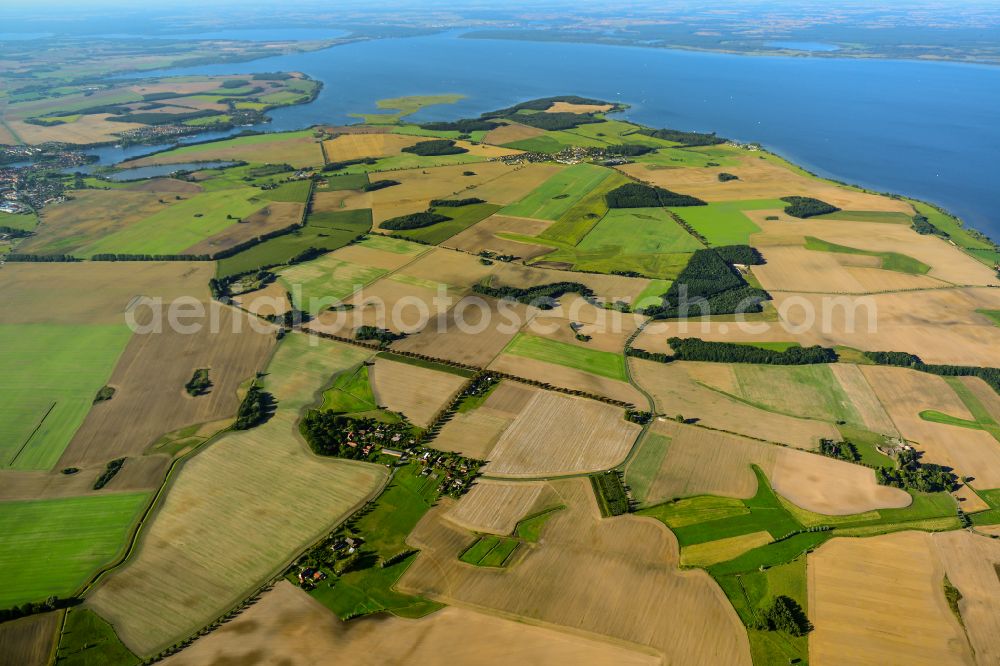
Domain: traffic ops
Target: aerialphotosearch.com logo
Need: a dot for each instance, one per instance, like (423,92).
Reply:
(472,314)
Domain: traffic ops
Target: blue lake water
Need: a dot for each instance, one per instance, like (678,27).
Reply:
(924,129)
(151,171)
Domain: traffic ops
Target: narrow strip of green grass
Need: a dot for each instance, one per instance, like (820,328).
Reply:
(602,363)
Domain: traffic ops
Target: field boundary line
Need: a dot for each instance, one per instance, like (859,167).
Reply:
(33,433)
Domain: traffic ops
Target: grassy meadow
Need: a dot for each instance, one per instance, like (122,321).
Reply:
(602,363)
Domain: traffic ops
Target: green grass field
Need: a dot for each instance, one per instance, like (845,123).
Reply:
(694,510)
(51,375)
(490,551)
(530,528)
(23,221)
(616,133)
(891,261)
(370,591)
(652,294)
(579,219)
(320,283)
(992,315)
(397,511)
(553,198)
(182,224)
(350,181)
(608,259)
(643,468)
(196,152)
(52,547)
(699,156)
(351,392)
(405,106)
(462,218)
(723,223)
(411,161)
(639,231)
(553,142)
(605,364)
(327,231)
(87,640)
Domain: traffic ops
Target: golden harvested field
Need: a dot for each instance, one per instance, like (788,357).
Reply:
(947,262)
(355,146)
(483,236)
(215,536)
(386,303)
(289,627)
(456,269)
(707,462)
(602,578)
(676,389)
(511,132)
(569,378)
(905,393)
(29,641)
(863,398)
(497,506)
(296,148)
(512,185)
(607,287)
(331,202)
(368,253)
(558,434)
(762,178)
(796,268)
(722,550)
(97,292)
(567,107)
(142,410)
(89,215)
(140,473)
(272,217)
(985,394)
(474,331)
(474,433)
(418,186)
(970,560)
(272,299)
(880,600)
(940,326)
(94,128)
(608,333)
(417,392)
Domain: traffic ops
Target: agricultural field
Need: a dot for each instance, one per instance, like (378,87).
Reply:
(300,149)
(288,625)
(608,483)
(307,495)
(54,547)
(600,577)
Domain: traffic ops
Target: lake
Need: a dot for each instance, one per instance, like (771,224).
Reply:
(925,129)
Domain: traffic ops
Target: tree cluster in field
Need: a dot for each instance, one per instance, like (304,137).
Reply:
(659,357)
(104,393)
(911,474)
(235,83)
(149,118)
(785,614)
(343,164)
(696,349)
(109,472)
(379,185)
(638,416)
(36,607)
(554,122)
(414,221)
(726,177)
(923,226)
(331,434)
(463,125)
(383,336)
(455,203)
(628,150)
(543,103)
(709,285)
(199,383)
(803,207)
(257,406)
(639,195)
(610,491)
(740,254)
(541,296)
(435,147)
(906,360)
(685,138)
(14,233)
(271,76)
(839,450)
(41,258)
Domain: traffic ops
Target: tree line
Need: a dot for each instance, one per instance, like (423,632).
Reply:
(690,139)
(435,147)
(455,203)
(639,195)
(696,349)
(414,221)
(542,296)
(906,360)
